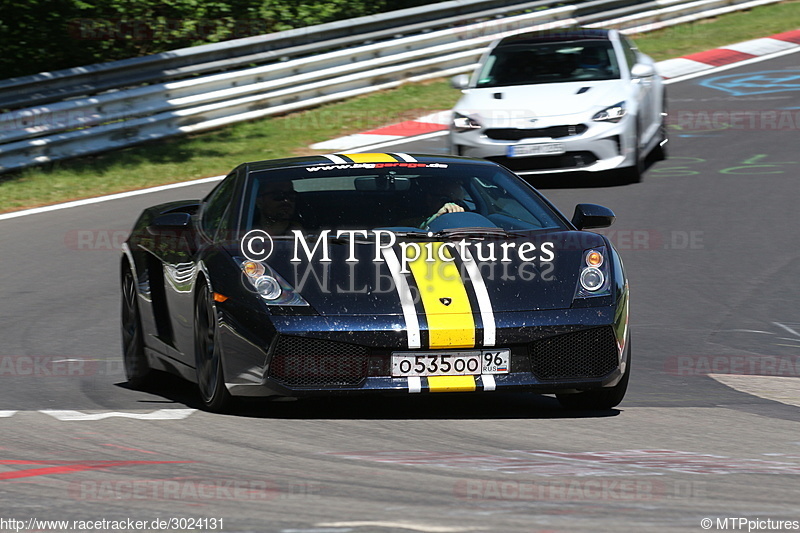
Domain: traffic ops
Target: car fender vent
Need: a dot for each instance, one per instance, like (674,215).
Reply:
(583,90)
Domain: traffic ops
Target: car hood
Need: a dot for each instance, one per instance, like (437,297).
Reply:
(511,104)
(364,286)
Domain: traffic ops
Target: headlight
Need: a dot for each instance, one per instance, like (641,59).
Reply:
(259,278)
(593,279)
(463,123)
(613,113)
(268,287)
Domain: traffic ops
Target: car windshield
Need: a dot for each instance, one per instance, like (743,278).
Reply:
(546,62)
(390,196)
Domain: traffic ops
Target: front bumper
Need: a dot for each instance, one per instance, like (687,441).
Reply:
(588,146)
(565,351)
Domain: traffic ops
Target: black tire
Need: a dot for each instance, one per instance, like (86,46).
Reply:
(634,174)
(600,399)
(208,359)
(137,368)
(660,151)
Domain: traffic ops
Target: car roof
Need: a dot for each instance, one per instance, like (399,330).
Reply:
(558,35)
(368,158)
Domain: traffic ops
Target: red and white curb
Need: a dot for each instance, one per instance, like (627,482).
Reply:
(411,128)
(728,55)
(670,68)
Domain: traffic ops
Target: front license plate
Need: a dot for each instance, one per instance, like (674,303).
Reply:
(527,150)
(472,362)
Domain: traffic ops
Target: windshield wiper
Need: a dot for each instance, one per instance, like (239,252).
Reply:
(475,233)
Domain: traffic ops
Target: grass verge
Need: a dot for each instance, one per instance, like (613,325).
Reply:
(217,152)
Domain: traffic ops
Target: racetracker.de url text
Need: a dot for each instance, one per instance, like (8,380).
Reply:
(103,524)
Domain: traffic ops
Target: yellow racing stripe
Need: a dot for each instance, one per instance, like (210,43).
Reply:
(444,297)
(451,383)
(371,158)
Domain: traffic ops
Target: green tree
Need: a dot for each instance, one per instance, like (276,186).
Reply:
(46,35)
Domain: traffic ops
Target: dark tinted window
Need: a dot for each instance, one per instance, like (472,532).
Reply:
(217,208)
(536,62)
(332,197)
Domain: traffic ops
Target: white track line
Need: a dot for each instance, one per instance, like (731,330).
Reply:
(161,414)
(100,199)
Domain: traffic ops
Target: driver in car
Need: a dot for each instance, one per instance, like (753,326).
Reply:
(276,208)
(439,197)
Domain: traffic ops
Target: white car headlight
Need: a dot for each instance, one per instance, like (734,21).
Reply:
(612,113)
(464,123)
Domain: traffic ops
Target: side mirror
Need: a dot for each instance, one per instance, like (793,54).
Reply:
(589,216)
(641,70)
(460,81)
(175,222)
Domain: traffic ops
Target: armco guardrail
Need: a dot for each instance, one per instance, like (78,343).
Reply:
(176,64)
(303,68)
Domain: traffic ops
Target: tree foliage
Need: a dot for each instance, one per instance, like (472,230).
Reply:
(47,35)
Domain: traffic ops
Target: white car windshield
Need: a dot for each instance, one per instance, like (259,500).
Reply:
(528,63)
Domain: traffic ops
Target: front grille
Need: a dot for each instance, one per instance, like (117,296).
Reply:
(591,353)
(574,160)
(553,132)
(306,362)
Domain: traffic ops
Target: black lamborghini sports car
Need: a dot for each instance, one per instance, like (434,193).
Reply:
(376,273)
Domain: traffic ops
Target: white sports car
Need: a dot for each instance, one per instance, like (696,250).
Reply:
(559,101)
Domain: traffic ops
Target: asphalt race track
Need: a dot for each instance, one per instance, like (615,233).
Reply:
(709,428)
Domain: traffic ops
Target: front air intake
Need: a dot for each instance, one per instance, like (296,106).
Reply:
(586,354)
(306,362)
